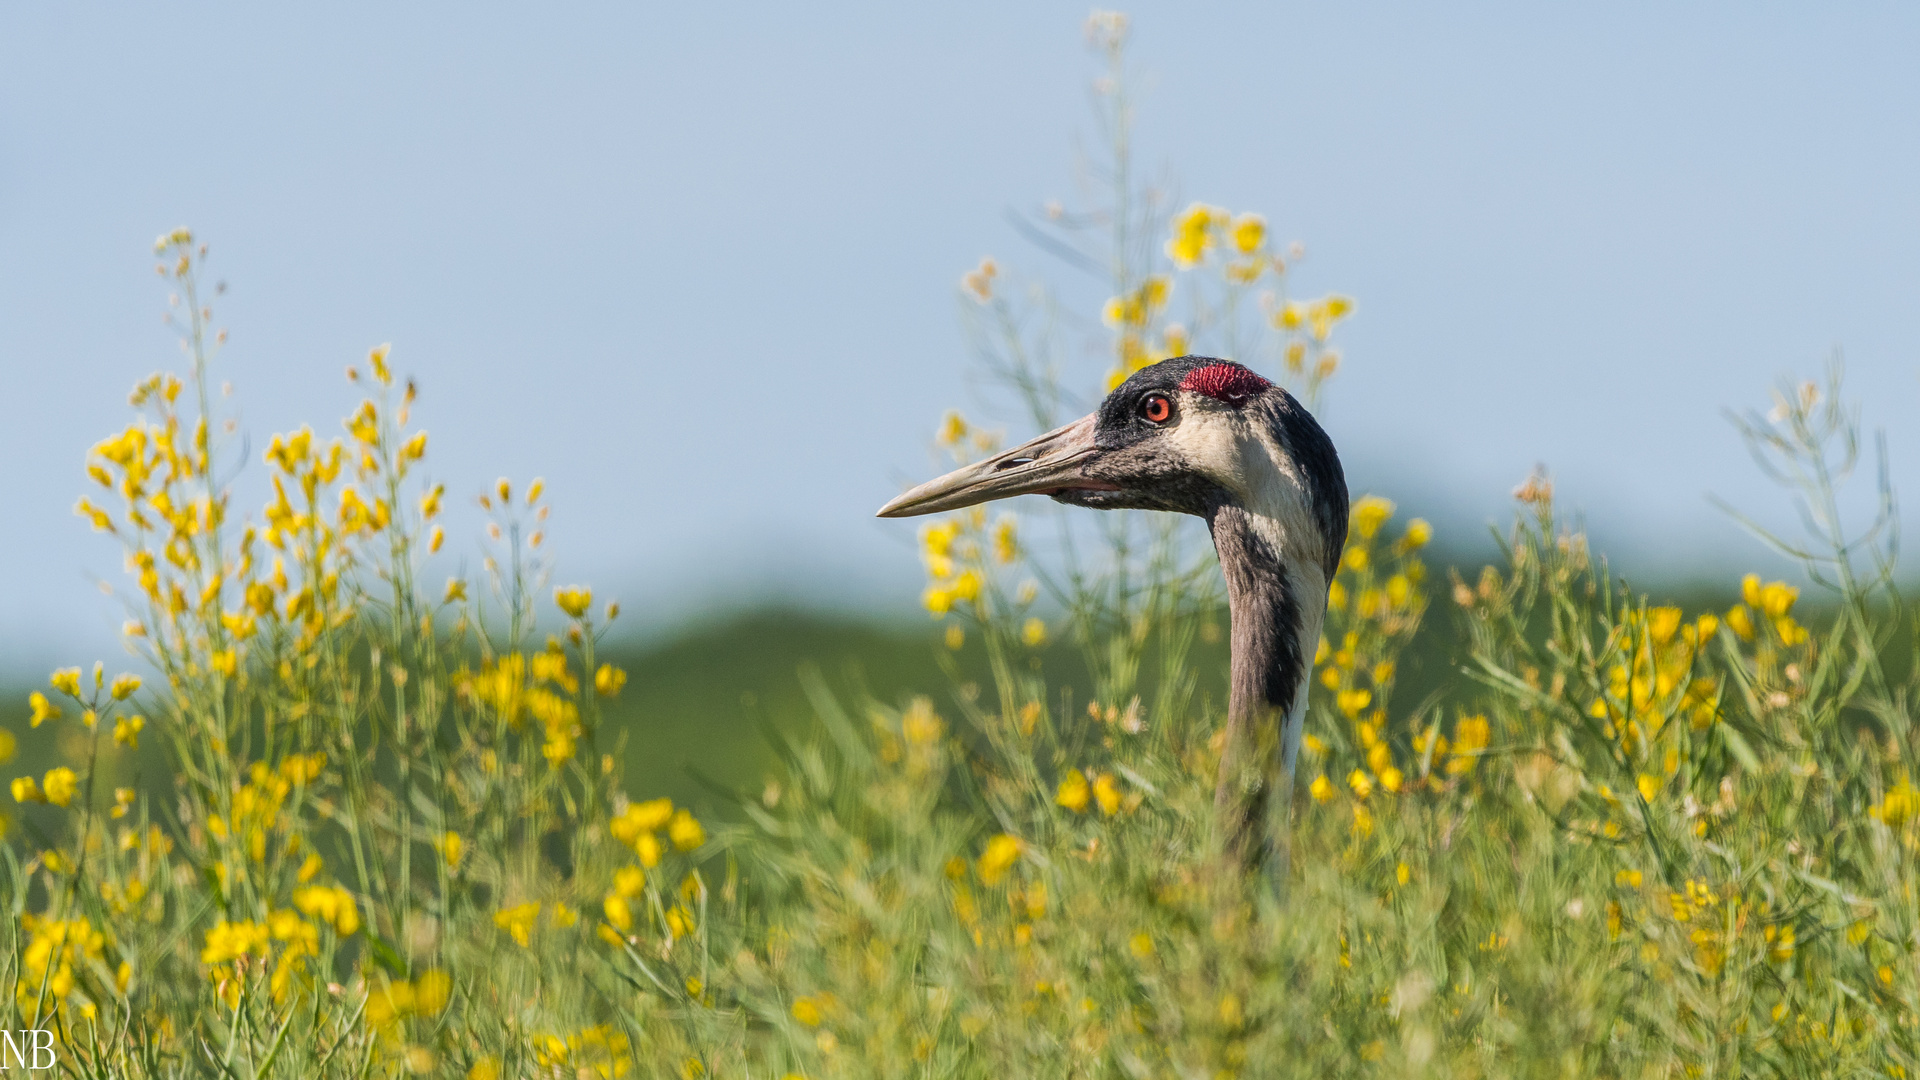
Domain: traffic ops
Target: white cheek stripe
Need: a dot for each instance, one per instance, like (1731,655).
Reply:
(1223,446)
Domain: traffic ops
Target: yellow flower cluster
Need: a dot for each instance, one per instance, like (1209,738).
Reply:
(1316,317)
(424,997)
(518,921)
(962,554)
(637,824)
(1898,805)
(1077,790)
(540,685)
(228,941)
(1001,853)
(1137,309)
(54,948)
(102,701)
(332,905)
(595,1052)
(941,544)
(257,805)
(1769,605)
(1200,230)
(1374,604)
(628,881)
(574,600)
(1132,318)
(1654,681)
(61,783)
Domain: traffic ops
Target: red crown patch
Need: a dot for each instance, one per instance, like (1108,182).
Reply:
(1230,383)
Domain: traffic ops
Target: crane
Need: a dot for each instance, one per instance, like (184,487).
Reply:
(1212,438)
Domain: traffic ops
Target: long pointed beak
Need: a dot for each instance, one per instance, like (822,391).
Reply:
(1052,463)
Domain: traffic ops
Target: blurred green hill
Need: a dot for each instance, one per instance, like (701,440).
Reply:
(705,692)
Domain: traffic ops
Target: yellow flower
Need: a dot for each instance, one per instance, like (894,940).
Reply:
(1360,782)
(574,600)
(1740,621)
(1001,853)
(332,903)
(1783,944)
(807,1011)
(1901,800)
(451,848)
(641,818)
(43,710)
(1417,535)
(1470,737)
(1649,786)
(67,681)
(456,590)
(628,881)
(1391,778)
(1141,944)
(229,940)
(564,916)
(414,449)
(518,922)
(1369,513)
(938,601)
(431,991)
(25,789)
(1006,548)
(1107,794)
(608,680)
(953,428)
(1249,232)
(1193,233)
(920,724)
(1321,789)
(1073,792)
(124,686)
(1034,633)
(936,538)
(102,522)
(619,914)
(685,832)
(61,785)
(126,731)
(377,357)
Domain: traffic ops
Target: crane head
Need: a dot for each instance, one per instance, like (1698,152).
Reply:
(1188,435)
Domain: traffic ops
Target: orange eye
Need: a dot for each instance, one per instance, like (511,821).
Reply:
(1156,408)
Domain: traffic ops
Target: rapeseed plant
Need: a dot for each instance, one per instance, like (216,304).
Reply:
(1624,839)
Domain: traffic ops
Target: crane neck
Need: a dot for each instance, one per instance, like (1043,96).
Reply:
(1276,604)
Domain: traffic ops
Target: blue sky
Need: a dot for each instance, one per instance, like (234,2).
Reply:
(697,266)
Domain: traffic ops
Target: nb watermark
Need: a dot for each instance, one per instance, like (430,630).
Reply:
(27,1049)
